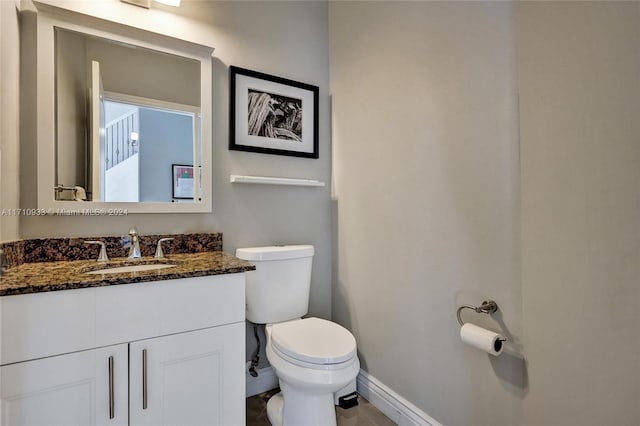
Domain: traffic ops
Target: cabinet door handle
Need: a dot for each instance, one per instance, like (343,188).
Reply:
(111,399)
(144,379)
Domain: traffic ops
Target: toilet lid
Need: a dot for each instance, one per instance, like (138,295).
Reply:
(314,340)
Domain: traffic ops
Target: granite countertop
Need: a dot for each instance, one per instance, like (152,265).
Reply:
(40,277)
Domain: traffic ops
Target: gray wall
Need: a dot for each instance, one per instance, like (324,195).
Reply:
(425,135)
(429,167)
(71,114)
(144,72)
(165,139)
(579,68)
(9,129)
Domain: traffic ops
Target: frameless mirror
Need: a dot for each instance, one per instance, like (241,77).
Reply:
(128,122)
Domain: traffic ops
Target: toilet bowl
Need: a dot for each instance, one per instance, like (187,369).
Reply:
(313,358)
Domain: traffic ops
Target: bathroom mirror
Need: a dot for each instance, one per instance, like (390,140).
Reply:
(130,126)
(145,105)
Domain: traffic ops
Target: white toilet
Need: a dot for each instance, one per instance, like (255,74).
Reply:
(314,359)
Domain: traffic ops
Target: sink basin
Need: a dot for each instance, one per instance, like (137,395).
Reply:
(130,268)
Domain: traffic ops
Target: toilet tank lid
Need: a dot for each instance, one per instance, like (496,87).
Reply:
(275,252)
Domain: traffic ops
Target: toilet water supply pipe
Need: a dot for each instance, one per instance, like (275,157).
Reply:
(255,359)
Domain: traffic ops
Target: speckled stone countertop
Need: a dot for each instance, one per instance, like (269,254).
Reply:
(74,248)
(39,277)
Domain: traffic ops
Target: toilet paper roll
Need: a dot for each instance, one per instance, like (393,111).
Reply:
(483,339)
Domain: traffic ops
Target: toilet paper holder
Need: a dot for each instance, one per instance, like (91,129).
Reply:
(487,307)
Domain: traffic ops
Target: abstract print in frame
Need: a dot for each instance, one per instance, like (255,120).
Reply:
(272,115)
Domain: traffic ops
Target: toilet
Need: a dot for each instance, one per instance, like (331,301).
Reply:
(314,359)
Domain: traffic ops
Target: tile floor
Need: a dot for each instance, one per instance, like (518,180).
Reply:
(364,414)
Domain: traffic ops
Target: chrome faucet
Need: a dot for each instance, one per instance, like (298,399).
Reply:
(134,249)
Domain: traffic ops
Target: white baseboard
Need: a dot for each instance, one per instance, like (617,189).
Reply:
(392,405)
(265,381)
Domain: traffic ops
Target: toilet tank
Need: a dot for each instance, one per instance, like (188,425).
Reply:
(278,290)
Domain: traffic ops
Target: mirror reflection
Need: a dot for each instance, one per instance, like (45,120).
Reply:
(141,144)
(125,117)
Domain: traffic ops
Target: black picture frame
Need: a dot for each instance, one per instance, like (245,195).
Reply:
(249,93)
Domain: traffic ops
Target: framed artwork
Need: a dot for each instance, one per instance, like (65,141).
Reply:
(272,115)
(182,186)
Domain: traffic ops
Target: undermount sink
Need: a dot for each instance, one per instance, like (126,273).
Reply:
(130,268)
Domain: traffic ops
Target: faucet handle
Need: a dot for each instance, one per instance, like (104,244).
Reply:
(102,257)
(159,254)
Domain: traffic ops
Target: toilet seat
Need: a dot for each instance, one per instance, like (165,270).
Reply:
(313,343)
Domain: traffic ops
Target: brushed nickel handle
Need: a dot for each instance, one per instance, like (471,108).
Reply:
(144,379)
(112,413)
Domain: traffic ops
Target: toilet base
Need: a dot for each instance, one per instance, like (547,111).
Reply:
(275,407)
(301,409)
(347,390)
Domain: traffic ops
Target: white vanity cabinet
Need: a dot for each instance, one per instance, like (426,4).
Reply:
(156,353)
(188,378)
(72,389)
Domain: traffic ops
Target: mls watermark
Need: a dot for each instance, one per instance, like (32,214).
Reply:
(64,212)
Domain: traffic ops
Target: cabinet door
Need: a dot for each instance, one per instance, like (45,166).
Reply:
(79,389)
(193,378)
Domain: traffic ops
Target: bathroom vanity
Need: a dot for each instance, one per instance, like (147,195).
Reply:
(157,347)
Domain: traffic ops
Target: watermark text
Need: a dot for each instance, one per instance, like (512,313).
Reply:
(64,212)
